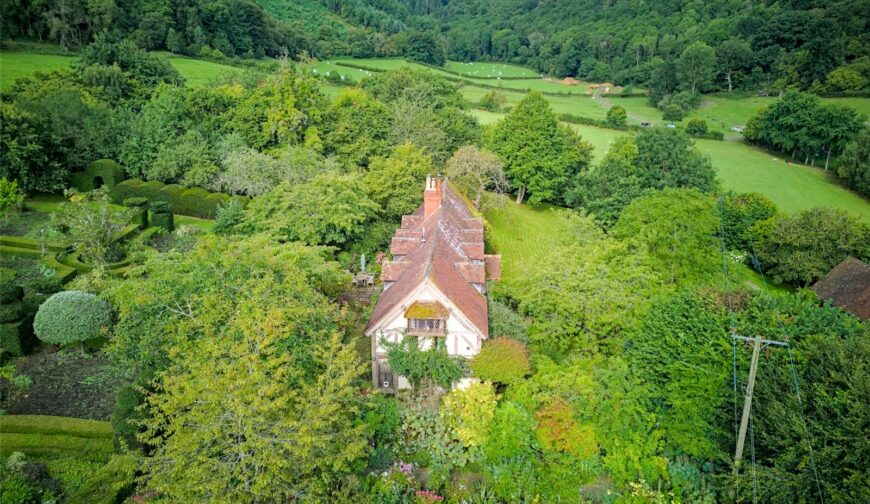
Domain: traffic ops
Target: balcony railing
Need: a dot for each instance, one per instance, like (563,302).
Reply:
(427,327)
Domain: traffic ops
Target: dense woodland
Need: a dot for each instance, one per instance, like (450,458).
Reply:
(176,260)
(666,46)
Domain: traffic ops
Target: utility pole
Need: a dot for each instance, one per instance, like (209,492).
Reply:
(757,342)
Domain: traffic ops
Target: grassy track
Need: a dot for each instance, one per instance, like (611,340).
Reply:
(14,65)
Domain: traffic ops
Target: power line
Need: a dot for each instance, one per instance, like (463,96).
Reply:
(797,389)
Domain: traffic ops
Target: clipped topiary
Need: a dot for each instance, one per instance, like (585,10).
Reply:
(142,205)
(71,317)
(501,360)
(161,215)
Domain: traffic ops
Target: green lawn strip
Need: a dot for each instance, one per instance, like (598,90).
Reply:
(47,445)
(55,425)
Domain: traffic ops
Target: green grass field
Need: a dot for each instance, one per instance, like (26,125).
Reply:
(483,69)
(522,235)
(14,65)
(743,168)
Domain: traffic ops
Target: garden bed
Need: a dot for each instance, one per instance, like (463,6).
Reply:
(66,383)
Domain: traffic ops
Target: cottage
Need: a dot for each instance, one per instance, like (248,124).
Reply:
(847,286)
(435,284)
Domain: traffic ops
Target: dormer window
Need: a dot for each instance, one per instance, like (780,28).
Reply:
(427,319)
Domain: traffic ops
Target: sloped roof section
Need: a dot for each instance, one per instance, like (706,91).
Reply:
(443,254)
(847,286)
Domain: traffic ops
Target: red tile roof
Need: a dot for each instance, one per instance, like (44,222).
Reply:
(848,287)
(449,241)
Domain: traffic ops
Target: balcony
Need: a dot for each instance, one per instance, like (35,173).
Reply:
(427,327)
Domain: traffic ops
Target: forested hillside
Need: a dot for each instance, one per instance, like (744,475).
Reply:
(799,42)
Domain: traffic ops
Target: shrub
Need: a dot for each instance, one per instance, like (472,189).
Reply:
(112,483)
(161,215)
(12,311)
(72,316)
(616,117)
(673,113)
(559,431)
(469,411)
(16,338)
(696,127)
(100,173)
(195,202)
(506,323)
(10,292)
(501,360)
(228,216)
(142,204)
(16,490)
(739,212)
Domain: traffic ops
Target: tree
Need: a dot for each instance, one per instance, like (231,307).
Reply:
(676,228)
(696,127)
(802,248)
(90,225)
(673,113)
(252,173)
(330,209)
(668,158)
(424,46)
(598,299)
(10,197)
(394,181)
(477,170)
(184,296)
(854,165)
(72,317)
(616,117)
(188,161)
(268,436)
(846,79)
(501,360)
(24,157)
(739,212)
(733,55)
(833,129)
(413,122)
(534,149)
(696,66)
(355,128)
(683,355)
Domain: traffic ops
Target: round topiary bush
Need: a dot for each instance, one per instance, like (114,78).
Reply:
(501,360)
(71,317)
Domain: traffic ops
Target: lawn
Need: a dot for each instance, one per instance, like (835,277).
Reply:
(15,65)
(743,168)
(522,234)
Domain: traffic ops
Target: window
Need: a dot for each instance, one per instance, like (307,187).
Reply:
(427,326)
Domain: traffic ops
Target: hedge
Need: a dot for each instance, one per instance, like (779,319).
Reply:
(55,425)
(9,292)
(16,338)
(111,484)
(28,243)
(11,311)
(109,171)
(195,202)
(71,317)
(42,444)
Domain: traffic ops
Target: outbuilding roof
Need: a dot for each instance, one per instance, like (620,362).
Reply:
(848,287)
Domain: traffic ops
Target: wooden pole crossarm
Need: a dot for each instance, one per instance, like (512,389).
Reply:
(765,341)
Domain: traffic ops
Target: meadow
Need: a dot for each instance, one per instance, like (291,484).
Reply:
(492,70)
(15,65)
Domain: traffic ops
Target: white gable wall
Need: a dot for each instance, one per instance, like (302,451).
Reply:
(463,339)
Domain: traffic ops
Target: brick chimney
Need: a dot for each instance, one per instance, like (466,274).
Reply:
(432,196)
